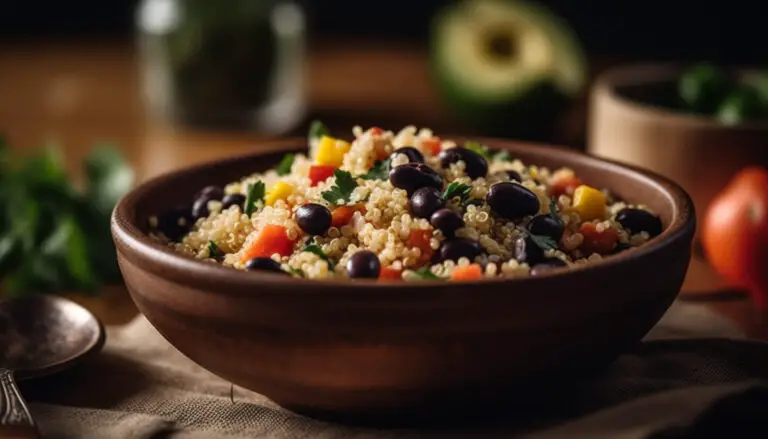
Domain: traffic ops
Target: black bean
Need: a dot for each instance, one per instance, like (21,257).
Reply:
(510,175)
(512,201)
(363,265)
(313,219)
(413,176)
(456,248)
(526,250)
(175,223)
(413,154)
(638,220)
(447,221)
(476,165)
(233,200)
(547,225)
(212,192)
(547,265)
(200,208)
(264,264)
(425,201)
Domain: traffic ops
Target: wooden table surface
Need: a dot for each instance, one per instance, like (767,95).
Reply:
(80,93)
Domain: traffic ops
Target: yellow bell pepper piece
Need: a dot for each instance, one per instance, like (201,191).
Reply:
(589,203)
(279,191)
(331,151)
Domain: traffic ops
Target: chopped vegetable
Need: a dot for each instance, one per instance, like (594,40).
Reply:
(279,191)
(421,240)
(284,167)
(331,151)
(589,203)
(502,156)
(433,145)
(54,237)
(341,191)
(342,215)
(379,171)
(424,273)
(478,148)
(467,273)
(598,242)
(454,190)
(320,173)
(564,185)
(312,247)
(316,131)
(543,242)
(272,239)
(254,197)
(390,273)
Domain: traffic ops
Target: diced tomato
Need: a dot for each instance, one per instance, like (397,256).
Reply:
(564,185)
(320,173)
(432,145)
(391,273)
(271,239)
(376,131)
(342,215)
(467,272)
(420,239)
(598,242)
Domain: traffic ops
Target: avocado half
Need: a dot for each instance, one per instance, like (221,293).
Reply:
(506,67)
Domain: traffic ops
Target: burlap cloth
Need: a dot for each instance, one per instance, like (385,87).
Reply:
(690,386)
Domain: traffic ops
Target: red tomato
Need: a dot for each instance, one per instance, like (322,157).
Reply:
(391,273)
(420,239)
(432,145)
(598,242)
(564,185)
(320,173)
(376,131)
(735,233)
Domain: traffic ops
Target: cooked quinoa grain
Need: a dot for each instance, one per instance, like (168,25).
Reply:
(354,210)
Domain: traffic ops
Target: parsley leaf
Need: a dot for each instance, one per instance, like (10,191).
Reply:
(284,167)
(455,189)
(342,189)
(311,247)
(425,273)
(478,148)
(214,251)
(255,196)
(379,171)
(554,212)
(316,131)
(502,156)
(543,242)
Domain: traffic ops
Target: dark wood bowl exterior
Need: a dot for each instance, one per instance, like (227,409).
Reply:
(382,348)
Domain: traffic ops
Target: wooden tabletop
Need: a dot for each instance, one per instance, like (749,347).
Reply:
(80,93)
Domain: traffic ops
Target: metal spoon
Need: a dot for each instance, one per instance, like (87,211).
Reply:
(39,335)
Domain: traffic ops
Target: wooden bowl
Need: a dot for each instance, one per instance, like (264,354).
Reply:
(368,348)
(628,124)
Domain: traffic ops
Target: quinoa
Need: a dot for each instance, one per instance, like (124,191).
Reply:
(352,209)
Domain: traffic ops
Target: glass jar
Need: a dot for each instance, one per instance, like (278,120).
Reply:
(234,64)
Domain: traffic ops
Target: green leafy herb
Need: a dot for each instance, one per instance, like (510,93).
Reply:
(296,272)
(255,197)
(341,191)
(54,237)
(478,148)
(284,167)
(455,189)
(214,251)
(317,130)
(502,156)
(379,171)
(543,242)
(554,212)
(424,273)
(311,247)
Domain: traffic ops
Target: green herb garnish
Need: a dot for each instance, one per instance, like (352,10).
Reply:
(342,189)
(502,156)
(284,167)
(311,247)
(478,148)
(214,251)
(54,237)
(316,131)
(379,171)
(543,242)
(425,273)
(254,197)
(554,212)
(455,189)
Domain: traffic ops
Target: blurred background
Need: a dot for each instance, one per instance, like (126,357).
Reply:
(175,82)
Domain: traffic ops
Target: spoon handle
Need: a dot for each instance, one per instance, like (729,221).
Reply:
(15,420)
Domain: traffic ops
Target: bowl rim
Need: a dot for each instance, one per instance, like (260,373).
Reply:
(683,223)
(644,74)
